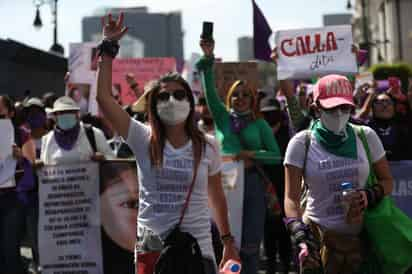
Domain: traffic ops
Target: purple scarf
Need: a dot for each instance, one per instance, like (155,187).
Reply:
(239,121)
(66,138)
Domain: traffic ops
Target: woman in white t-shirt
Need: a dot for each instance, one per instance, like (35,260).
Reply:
(167,152)
(327,155)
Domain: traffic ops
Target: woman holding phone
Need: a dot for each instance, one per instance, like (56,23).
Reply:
(244,136)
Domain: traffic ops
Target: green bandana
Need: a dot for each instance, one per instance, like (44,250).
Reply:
(339,145)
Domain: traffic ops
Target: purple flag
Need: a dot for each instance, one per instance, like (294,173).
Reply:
(261,34)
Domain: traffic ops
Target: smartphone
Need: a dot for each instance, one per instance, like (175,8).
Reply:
(207,31)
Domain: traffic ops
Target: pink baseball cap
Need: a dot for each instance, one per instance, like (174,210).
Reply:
(333,90)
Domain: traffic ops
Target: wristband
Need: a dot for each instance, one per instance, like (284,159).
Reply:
(374,195)
(108,47)
(227,238)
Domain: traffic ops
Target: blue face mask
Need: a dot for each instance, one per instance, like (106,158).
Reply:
(66,121)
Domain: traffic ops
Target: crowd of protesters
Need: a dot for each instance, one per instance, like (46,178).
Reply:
(255,126)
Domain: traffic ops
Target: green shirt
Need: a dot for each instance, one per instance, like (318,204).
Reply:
(257,136)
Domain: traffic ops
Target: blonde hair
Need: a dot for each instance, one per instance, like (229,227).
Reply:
(253,106)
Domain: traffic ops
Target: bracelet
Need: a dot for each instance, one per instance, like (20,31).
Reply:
(108,47)
(227,237)
(374,195)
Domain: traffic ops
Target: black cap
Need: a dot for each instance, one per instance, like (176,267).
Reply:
(269,104)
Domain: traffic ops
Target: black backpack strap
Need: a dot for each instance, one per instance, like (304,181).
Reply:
(90,136)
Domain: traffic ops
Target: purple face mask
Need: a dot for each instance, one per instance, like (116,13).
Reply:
(36,120)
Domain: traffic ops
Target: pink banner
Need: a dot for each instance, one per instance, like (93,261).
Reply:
(143,69)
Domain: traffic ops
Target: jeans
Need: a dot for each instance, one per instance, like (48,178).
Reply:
(11,233)
(254,209)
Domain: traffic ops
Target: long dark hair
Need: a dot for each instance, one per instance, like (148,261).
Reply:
(158,132)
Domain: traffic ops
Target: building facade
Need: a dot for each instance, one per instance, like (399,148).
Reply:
(387,26)
(149,34)
(337,19)
(245,48)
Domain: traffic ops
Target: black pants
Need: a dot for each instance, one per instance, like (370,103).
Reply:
(277,238)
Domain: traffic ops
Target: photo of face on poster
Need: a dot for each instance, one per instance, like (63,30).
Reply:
(118,203)
(80,93)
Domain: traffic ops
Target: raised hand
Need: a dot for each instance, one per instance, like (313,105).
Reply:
(113,30)
(208,47)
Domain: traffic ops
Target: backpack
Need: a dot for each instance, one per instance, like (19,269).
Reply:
(90,136)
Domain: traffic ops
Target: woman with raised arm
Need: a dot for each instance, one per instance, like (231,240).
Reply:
(245,136)
(171,153)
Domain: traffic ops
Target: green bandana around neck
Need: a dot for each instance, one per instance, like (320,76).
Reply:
(339,145)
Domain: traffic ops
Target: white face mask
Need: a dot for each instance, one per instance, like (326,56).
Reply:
(335,121)
(173,111)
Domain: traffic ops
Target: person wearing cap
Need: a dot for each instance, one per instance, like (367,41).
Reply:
(325,156)
(68,142)
(246,137)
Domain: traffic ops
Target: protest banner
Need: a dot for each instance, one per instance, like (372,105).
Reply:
(305,53)
(7,162)
(402,185)
(227,73)
(81,84)
(143,69)
(69,219)
(233,185)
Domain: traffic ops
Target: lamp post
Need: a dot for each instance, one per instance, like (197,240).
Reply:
(56,47)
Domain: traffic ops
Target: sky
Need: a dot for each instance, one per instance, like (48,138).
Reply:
(232,19)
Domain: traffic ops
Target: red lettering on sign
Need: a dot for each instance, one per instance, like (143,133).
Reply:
(283,49)
(308,44)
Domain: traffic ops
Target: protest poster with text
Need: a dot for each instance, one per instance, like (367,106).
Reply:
(69,219)
(233,185)
(227,73)
(306,53)
(143,70)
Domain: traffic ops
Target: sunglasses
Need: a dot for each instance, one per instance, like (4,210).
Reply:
(237,94)
(383,103)
(164,96)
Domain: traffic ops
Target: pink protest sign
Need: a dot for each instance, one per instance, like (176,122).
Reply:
(143,69)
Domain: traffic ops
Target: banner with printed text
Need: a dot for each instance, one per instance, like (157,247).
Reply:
(69,219)
(143,70)
(305,53)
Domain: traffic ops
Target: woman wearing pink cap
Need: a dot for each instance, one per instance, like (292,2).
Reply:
(330,158)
